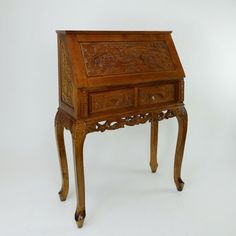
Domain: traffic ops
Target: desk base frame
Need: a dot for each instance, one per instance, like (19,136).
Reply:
(80,128)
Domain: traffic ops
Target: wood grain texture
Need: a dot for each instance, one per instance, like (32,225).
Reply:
(59,130)
(153,144)
(110,80)
(78,137)
(182,117)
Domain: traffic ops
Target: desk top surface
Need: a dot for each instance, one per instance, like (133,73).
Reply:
(111,32)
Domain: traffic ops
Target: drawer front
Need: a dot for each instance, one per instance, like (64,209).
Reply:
(111,100)
(157,94)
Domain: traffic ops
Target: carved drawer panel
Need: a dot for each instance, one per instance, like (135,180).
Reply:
(111,100)
(157,94)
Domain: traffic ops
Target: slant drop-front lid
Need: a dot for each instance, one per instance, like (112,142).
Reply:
(117,58)
(122,58)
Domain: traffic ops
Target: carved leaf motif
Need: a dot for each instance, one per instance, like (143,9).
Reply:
(110,58)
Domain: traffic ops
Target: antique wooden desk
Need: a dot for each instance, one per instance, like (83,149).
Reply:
(111,79)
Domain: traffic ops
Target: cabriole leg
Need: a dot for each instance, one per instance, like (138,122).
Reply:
(78,137)
(154,140)
(182,117)
(59,130)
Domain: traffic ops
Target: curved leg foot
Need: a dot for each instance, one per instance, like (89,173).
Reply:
(180,185)
(153,168)
(78,137)
(79,218)
(182,117)
(59,130)
(154,139)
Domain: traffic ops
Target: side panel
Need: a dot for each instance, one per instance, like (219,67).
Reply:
(67,89)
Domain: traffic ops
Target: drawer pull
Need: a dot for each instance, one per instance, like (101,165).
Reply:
(158,94)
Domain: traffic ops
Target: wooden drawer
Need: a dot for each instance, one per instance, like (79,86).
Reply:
(153,95)
(111,100)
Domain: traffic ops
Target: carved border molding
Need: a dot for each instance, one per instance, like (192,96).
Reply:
(119,123)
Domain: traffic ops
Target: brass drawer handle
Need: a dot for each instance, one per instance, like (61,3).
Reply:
(153,98)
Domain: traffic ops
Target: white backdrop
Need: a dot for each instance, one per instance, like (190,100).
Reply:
(123,197)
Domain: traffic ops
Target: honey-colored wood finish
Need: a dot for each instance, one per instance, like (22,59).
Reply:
(154,140)
(112,79)
(78,137)
(59,129)
(182,118)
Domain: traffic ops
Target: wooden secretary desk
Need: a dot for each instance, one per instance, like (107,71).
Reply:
(110,79)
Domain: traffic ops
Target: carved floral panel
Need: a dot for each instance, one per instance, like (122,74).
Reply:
(111,58)
(66,76)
